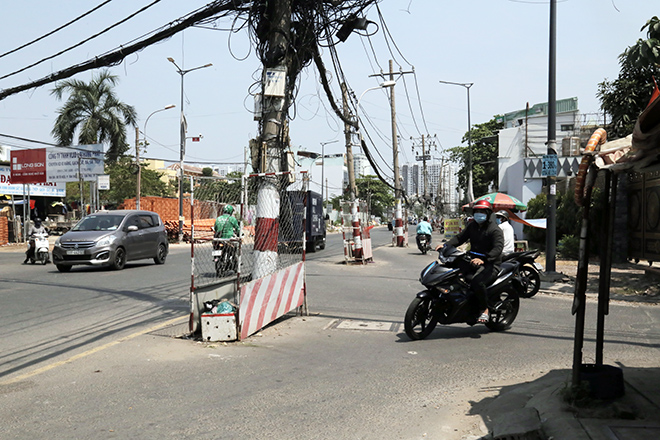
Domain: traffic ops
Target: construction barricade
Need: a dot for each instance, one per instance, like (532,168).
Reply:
(258,276)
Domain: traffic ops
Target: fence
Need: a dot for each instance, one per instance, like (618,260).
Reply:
(257,262)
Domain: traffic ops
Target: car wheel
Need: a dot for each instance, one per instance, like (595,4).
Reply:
(120,259)
(161,254)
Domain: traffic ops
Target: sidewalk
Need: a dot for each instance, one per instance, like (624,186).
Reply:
(537,410)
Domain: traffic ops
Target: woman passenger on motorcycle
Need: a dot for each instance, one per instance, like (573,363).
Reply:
(485,238)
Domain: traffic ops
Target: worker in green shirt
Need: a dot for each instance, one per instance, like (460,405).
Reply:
(226,226)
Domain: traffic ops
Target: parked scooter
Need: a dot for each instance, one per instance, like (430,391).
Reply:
(528,271)
(449,300)
(40,245)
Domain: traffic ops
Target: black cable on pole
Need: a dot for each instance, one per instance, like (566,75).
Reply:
(55,30)
(81,42)
(118,55)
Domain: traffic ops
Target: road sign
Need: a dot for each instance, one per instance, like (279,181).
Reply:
(549,165)
(424,157)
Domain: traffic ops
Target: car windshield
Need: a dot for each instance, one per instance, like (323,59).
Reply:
(99,223)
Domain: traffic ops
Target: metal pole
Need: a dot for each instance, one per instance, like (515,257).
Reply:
(137,161)
(395,153)
(182,142)
(551,231)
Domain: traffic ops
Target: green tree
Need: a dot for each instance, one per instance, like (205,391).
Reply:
(123,182)
(484,157)
(376,193)
(94,112)
(626,97)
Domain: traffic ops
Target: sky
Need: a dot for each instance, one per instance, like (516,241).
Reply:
(501,46)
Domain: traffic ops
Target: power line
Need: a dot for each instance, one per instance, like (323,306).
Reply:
(81,42)
(55,30)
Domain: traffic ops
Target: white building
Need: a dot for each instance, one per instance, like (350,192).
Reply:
(522,144)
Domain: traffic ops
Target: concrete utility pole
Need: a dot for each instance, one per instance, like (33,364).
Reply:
(352,189)
(398,223)
(270,142)
(395,153)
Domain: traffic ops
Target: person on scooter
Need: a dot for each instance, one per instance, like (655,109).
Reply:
(226,226)
(424,228)
(485,238)
(35,228)
(502,219)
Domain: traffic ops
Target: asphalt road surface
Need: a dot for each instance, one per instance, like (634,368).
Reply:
(90,354)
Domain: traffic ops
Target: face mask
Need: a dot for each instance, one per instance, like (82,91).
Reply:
(498,220)
(480,217)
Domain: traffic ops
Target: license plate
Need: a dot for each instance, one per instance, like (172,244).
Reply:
(538,267)
(216,253)
(75,252)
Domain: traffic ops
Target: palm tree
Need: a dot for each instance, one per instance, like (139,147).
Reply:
(95,112)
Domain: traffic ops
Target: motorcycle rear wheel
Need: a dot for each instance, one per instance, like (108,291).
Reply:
(504,311)
(531,280)
(419,321)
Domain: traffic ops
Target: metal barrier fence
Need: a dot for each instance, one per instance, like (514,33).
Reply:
(264,234)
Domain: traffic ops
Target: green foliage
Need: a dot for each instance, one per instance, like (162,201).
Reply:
(123,182)
(569,247)
(484,157)
(95,113)
(207,171)
(379,195)
(626,97)
(568,219)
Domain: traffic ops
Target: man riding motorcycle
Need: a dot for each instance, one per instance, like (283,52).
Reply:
(486,239)
(226,226)
(424,228)
(36,228)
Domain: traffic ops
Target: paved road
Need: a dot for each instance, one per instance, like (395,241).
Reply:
(346,371)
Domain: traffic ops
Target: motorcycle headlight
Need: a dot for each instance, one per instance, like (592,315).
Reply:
(106,241)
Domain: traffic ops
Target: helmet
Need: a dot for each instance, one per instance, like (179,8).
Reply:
(504,214)
(228,209)
(483,204)
(37,222)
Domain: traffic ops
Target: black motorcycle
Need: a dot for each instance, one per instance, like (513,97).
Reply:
(529,271)
(448,299)
(423,243)
(224,256)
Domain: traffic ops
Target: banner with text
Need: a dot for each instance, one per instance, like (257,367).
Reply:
(48,189)
(56,164)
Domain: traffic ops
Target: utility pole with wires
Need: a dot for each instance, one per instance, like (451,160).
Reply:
(426,155)
(398,223)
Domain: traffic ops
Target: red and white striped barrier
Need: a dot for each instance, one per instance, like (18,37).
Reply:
(264,300)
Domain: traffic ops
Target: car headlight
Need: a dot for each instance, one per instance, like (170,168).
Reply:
(57,242)
(106,241)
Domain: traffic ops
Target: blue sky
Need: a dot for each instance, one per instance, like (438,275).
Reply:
(499,45)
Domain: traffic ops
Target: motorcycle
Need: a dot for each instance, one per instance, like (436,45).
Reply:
(41,248)
(448,299)
(528,271)
(224,256)
(423,243)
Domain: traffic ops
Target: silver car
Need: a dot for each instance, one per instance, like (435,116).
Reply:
(111,238)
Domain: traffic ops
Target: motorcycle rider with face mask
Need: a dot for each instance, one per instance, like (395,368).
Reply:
(486,239)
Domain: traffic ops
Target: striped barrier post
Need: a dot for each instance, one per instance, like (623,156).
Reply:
(398,225)
(357,233)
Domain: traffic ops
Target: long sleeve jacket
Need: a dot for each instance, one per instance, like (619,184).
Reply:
(485,238)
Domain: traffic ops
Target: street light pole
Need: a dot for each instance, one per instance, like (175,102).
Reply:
(137,153)
(182,139)
(323,144)
(467,86)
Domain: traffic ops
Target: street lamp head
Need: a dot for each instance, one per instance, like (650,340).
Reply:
(167,107)
(389,83)
(170,59)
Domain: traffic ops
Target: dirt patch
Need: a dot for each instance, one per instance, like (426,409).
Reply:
(627,279)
